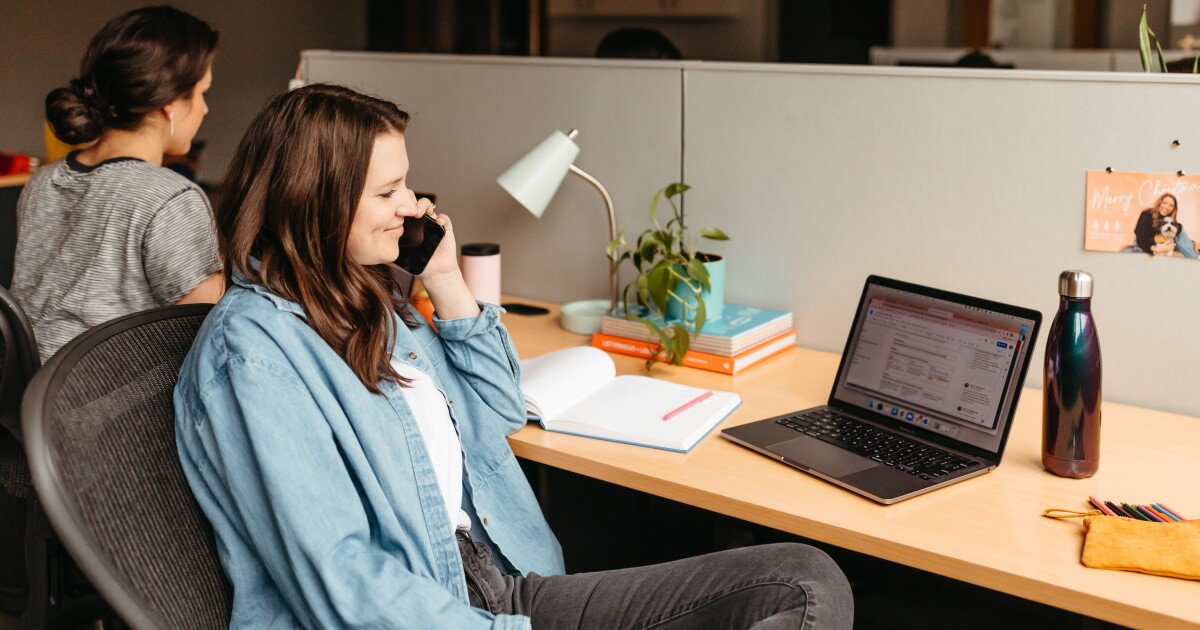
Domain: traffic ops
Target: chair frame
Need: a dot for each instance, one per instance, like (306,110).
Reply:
(109,581)
(27,363)
(21,361)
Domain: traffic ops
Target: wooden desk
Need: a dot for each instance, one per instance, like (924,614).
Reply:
(14,180)
(987,531)
(10,190)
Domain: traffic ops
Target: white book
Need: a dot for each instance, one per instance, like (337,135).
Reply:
(577,391)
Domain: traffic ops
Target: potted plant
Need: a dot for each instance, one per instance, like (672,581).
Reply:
(1147,38)
(672,278)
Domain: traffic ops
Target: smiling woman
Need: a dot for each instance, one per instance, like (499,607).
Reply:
(312,389)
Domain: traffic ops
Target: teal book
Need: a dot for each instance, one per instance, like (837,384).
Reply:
(740,327)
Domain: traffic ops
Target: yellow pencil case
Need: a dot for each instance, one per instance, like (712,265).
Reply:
(1125,544)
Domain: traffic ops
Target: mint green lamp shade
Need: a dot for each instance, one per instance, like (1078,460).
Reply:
(532,181)
(534,178)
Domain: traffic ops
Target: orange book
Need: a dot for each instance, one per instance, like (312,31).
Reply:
(702,360)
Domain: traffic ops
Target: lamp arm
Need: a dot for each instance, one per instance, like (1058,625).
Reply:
(612,229)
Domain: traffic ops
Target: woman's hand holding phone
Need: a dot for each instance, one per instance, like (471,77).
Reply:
(440,274)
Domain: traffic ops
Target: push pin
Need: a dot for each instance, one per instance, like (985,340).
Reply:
(1175,143)
(1180,173)
(1107,169)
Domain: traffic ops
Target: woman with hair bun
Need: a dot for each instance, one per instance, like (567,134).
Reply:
(108,230)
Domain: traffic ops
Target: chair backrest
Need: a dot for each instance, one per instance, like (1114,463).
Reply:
(99,427)
(18,361)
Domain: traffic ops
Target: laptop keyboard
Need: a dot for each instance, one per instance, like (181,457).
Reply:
(902,453)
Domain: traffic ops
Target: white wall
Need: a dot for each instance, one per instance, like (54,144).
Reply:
(42,43)
(1024,23)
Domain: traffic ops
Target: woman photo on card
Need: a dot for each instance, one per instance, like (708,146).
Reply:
(1158,231)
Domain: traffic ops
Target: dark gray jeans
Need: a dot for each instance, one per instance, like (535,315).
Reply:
(763,587)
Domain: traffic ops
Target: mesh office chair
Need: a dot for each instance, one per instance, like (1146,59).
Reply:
(99,429)
(38,580)
(18,361)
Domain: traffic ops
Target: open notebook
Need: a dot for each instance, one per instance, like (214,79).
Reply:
(577,391)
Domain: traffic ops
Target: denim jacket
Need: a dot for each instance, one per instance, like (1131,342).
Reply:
(323,499)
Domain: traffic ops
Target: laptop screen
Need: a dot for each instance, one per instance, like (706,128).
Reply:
(940,362)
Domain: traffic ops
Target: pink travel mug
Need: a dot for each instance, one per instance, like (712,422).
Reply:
(480,263)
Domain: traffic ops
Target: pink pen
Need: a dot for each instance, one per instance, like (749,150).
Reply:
(688,405)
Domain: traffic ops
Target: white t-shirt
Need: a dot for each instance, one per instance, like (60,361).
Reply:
(441,440)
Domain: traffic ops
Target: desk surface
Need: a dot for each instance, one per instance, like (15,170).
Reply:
(14,180)
(987,531)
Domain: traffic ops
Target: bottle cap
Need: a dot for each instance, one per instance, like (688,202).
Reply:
(1075,283)
(480,249)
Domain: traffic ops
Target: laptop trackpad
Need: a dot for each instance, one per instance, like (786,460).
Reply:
(828,460)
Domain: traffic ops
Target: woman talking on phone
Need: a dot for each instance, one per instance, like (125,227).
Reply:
(353,461)
(108,231)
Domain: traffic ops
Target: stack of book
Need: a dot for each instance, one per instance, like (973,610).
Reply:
(744,336)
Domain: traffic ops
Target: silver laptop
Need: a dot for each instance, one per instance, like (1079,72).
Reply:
(924,395)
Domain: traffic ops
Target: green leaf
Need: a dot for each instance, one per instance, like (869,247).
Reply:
(1162,62)
(658,283)
(675,188)
(1144,35)
(677,348)
(698,271)
(701,316)
(1196,65)
(615,246)
(654,209)
(649,248)
(713,234)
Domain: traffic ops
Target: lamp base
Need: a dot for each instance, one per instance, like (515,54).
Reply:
(583,317)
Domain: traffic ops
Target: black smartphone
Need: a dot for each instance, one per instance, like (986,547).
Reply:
(421,238)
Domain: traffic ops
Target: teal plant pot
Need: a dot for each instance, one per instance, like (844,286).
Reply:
(714,297)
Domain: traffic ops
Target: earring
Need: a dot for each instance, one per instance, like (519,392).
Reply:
(171,117)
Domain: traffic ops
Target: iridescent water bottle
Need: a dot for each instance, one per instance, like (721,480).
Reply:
(1071,398)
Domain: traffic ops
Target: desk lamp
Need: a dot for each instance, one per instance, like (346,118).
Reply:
(532,181)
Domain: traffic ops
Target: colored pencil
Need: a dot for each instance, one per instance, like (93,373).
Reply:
(1164,517)
(1133,512)
(1172,512)
(1118,510)
(1148,514)
(1100,506)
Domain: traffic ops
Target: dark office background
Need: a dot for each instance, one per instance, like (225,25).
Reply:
(812,31)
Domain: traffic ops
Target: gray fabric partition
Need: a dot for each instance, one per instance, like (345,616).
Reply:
(973,181)
(970,180)
(474,116)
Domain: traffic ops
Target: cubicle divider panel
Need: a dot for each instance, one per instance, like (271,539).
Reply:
(973,181)
(472,117)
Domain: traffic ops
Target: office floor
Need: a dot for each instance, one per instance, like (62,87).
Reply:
(602,526)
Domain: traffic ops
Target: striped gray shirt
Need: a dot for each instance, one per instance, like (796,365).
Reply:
(94,243)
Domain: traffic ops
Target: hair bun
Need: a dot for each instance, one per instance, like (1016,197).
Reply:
(86,92)
(76,112)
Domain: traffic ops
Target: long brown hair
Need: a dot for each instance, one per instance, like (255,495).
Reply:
(139,62)
(290,196)
(1158,217)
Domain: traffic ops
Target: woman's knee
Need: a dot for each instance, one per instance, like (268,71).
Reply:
(826,590)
